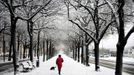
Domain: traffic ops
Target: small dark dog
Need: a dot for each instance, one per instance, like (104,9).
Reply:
(52,68)
(98,68)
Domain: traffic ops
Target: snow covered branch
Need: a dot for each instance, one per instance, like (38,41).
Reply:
(83,29)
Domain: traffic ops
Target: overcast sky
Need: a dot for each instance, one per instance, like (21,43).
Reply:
(111,41)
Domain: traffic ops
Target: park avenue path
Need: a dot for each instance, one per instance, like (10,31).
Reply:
(70,67)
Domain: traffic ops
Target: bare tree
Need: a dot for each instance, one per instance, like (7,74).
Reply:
(122,37)
(95,24)
(12,6)
(40,25)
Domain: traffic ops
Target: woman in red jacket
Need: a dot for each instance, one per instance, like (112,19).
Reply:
(59,62)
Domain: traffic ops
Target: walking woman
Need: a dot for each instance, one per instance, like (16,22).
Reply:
(59,62)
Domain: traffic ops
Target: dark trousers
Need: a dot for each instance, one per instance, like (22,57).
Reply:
(59,69)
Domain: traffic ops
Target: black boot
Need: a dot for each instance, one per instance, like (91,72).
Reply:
(59,72)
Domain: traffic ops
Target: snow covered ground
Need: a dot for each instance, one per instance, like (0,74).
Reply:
(125,59)
(70,67)
(1,60)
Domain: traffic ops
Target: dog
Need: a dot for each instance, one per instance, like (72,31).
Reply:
(52,68)
(98,68)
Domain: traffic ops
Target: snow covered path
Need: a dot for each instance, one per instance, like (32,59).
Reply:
(70,67)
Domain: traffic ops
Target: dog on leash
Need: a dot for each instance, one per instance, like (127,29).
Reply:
(98,68)
(52,68)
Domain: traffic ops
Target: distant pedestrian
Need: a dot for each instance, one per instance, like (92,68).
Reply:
(59,62)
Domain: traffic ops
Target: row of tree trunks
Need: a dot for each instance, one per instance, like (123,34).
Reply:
(11,5)
(81,51)
(19,52)
(49,49)
(76,50)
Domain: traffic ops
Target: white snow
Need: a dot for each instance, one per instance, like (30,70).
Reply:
(125,59)
(70,67)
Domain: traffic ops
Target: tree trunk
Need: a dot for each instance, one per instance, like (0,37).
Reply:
(41,49)
(35,51)
(10,53)
(38,50)
(13,43)
(96,51)
(121,39)
(73,48)
(50,49)
(53,49)
(87,56)
(47,49)
(38,45)
(79,52)
(75,52)
(18,48)
(119,59)
(44,51)
(82,51)
(31,40)
(24,50)
(4,47)
(31,49)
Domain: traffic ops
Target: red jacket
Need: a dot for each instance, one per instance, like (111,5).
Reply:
(59,62)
